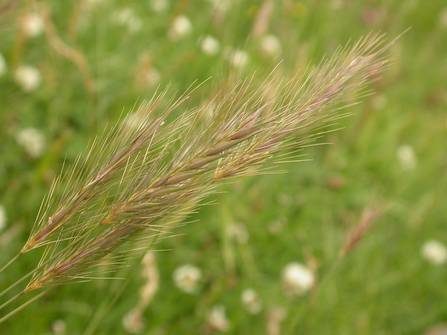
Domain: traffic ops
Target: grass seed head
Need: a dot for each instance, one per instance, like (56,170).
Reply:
(140,179)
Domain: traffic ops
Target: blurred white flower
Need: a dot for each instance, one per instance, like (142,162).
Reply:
(379,101)
(209,109)
(209,45)
(274,319)
(284,199)
(97,2)
(135,24)
(32,24)
(238,232)
(276,226)
(434,251)
(2,217)
(217,319)
(159,6)
(181,27)
(251,301)
(133,322)
(27,77)
(443,18)
(135,121)
(3,66)
(407,157)
(153,77)
(237,58)
(186,277)
(59,327)
(337,4)
(297,279)
(270,45)
(127,17)
(221,5)
(123,16)
(32,140)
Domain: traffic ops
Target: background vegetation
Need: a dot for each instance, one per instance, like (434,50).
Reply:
(97,58)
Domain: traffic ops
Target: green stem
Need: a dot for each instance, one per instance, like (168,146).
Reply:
(18,309)
(17,282)
(9,263)
(10,300)
(26,276)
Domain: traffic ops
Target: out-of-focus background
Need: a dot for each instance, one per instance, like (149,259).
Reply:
(271,257)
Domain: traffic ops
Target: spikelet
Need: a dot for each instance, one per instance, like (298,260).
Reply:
(360,230)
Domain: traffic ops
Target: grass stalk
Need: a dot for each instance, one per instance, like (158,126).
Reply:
(26,304)
(9,263)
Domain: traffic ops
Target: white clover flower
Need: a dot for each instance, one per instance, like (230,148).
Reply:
(443,18)
(237,58)
(221,5)
(284,199)
(297,279)
(379,101)
(153,77)
(209,110)
(181,27)
(275,317)
(135,121)
(238,232)
(159,6)
(337,4)
(32,24)
(135,24)
(407,157)
(270,45)
(209,45)
(2,217)
(3,66)
(59,327)
(96,2)
(27,77)
(217,319)
(123,15)
(32,140)
(434,251)
(133,322)
(251,301)
(127,17)
(187,277)
(276,226)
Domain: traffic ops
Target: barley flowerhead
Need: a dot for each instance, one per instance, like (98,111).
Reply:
(142,177)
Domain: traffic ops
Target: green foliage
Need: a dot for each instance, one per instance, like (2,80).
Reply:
(383,286)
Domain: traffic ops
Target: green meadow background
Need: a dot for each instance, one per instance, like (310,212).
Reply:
(99,59)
